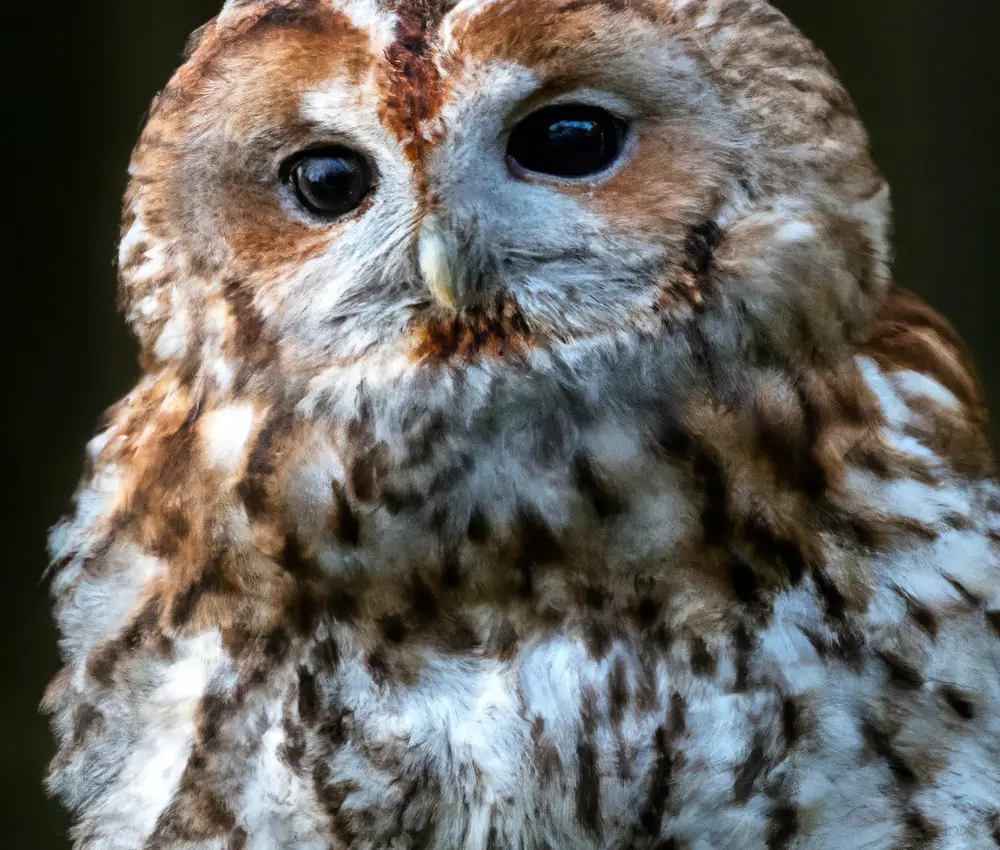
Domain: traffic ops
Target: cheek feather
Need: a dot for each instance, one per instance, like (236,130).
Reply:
(692,176)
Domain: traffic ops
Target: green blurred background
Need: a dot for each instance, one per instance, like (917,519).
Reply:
(924,74)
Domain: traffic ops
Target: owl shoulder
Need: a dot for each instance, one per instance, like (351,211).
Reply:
(928,384)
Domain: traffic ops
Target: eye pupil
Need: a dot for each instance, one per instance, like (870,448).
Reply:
(569,140)
(330,182)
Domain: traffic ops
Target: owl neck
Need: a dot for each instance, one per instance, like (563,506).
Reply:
(610,473)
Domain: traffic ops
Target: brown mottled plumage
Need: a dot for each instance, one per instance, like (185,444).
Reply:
(630,509)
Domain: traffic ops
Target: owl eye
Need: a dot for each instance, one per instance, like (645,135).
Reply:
(330,182)
(567,140)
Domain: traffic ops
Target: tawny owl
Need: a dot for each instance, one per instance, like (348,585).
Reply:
(531,452)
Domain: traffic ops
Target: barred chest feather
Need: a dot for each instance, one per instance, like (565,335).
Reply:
(518,619)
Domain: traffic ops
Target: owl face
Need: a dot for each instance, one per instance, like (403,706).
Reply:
(332,182)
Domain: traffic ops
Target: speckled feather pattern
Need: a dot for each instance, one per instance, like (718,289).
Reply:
(679,531)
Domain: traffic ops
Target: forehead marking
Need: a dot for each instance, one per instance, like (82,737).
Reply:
(413,91)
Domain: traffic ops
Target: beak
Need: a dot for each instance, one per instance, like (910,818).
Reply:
(437,254)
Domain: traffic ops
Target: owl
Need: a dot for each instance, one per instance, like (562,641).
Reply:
(531,451)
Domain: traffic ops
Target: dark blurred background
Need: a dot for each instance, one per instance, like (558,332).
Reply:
(925,75)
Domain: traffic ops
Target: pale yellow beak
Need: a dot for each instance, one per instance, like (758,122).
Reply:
(437,254)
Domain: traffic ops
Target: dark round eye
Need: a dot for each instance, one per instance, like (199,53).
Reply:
(330,182)
(568,140)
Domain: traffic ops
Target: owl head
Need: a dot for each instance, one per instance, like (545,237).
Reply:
(387,184)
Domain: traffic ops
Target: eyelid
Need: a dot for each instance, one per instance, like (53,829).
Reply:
(307,142)
(288,162)
(558,96)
